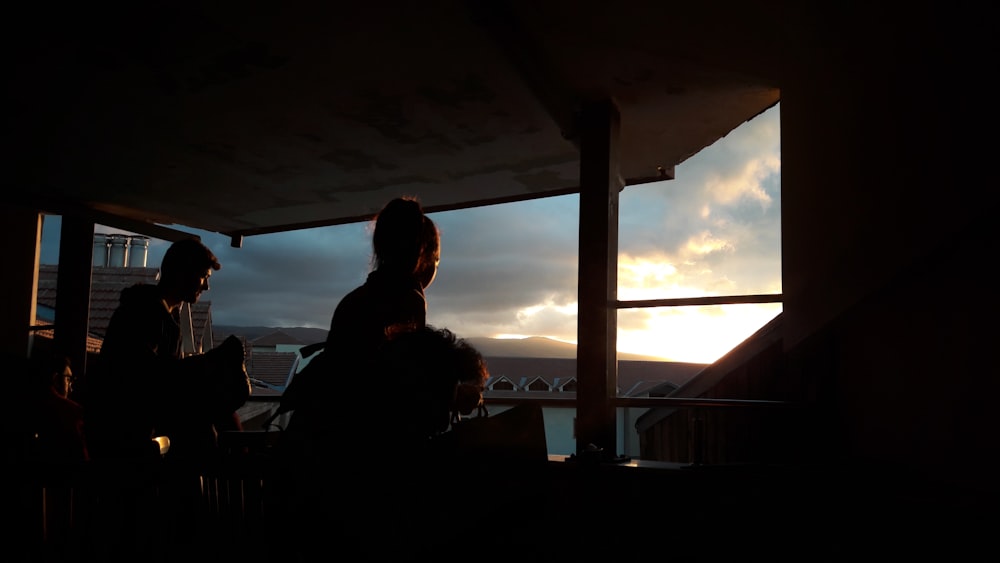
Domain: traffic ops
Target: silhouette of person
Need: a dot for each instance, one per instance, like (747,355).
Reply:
(406,246)
(46,456)
(424,377)
(435,377)
(142,385)
(407,250)
(57,420)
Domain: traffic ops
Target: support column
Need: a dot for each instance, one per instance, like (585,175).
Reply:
(72,324)
(597,316)
(22,229)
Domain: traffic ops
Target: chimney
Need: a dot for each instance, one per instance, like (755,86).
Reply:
(117,250)
(101,246)
(138,251)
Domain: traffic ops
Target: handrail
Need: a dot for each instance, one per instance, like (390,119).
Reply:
(710,300)
(656,402)
(638,402)
(651,402)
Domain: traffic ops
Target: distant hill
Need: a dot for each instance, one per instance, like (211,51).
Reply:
(306,335)
(537,347)
(530,347)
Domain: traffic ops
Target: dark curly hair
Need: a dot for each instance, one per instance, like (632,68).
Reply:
(424,366)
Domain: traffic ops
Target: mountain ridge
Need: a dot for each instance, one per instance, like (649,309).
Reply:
(528,347)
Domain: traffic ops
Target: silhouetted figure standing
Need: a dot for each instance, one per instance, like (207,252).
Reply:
(328,423)
(142,386)
(406,248)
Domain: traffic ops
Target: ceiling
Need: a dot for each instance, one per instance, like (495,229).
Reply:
(250,120)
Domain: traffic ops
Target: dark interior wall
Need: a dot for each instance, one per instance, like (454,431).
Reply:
(914,376)
(882,193)
(22,230)
(907,380)
(876,161)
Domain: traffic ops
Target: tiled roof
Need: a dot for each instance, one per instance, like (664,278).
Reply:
(93,342)
(106,284)
(272,368)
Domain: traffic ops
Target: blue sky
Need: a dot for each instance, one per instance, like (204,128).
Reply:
(511,270)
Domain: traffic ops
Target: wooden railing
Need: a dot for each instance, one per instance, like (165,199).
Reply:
(60,511)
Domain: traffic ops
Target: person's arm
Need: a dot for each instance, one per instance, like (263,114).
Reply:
(140,356)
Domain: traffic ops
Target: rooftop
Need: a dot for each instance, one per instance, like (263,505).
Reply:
(106,285)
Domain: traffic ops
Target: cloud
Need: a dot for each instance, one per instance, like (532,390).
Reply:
(512,268)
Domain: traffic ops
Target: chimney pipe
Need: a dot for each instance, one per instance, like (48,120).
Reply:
(118,252)
(101,247)
(138,251)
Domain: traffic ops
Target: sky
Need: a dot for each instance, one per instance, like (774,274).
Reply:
(511,270)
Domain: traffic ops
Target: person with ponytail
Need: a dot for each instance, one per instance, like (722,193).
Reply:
(406,248)
(327,421)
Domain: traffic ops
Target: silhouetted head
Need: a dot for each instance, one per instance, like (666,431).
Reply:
(434,374)
(53,370)
(185,270)
(406,241)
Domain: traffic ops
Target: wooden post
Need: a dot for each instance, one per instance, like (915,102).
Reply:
(597,317)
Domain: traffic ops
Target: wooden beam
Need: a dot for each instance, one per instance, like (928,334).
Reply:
(72,322)
(597,316)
